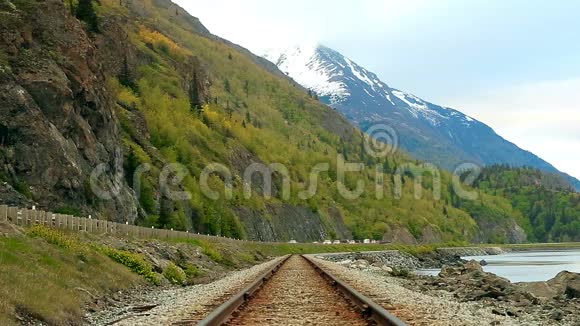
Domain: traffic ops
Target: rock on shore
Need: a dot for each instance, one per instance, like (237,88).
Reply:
(364,260)
(554,301)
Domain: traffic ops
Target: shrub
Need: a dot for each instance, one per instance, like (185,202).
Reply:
(191,270)
(208,249)
(174,274)
(55,237)
(134,262)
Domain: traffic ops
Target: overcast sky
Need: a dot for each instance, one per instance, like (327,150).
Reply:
(514,65)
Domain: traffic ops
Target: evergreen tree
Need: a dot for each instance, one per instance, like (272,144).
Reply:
(227,86)
(125,78)
(247,88)
(194,98)
(131,165)
(248,117)
(165,212)
(86,12)
(72,7)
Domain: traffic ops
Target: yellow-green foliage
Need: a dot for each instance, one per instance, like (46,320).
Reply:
(252,110)
(174,274)
(133,261)
(55,237)
(210,249)
(191,271)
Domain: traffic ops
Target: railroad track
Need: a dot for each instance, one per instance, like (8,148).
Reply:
(297,292)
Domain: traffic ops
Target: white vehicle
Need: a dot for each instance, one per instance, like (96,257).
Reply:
(367,241)
(292,241)
(336,242)
(327,242)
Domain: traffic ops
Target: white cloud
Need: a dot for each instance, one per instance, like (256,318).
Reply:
(262,24)
(542,117)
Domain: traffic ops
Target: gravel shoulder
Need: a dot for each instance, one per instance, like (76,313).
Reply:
(417,308)
(193,303)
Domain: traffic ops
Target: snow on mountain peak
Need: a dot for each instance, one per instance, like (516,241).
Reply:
(307,66)
(342,81)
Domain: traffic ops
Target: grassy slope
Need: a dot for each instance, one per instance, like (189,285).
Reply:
(50,275)
(284,126)
(52,283)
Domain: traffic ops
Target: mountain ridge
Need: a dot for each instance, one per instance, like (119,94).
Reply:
(430,132)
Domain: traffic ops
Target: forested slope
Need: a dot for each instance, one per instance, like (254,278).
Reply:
(146,82)
(547,200)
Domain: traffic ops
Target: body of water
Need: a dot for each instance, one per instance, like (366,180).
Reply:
(527,266)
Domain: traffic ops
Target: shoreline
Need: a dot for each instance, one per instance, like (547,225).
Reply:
(552,302)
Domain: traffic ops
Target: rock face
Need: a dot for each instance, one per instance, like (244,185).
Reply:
(57,122)
(431,235)
(489,230)
(287,222)
(399,235)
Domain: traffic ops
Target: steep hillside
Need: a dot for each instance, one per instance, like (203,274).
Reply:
(142,84)
(428,131)
(57,119)
(547,200)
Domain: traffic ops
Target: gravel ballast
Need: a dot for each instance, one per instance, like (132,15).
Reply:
(191,303)
(416,308)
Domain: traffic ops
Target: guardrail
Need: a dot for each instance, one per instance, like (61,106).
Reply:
(223,312)
(369,309)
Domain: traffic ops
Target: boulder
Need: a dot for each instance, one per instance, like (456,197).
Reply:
(469,267)
(539,289)
(387,269)
(472,266)
(345,262)
(361,262)
(566,283)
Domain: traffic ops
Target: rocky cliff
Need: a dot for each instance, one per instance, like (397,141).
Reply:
(57,119)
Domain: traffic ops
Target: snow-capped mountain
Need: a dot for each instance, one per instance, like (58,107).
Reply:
(361,95)
(430,132)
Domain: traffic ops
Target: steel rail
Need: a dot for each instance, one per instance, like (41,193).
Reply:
(368,308)
(223,313)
